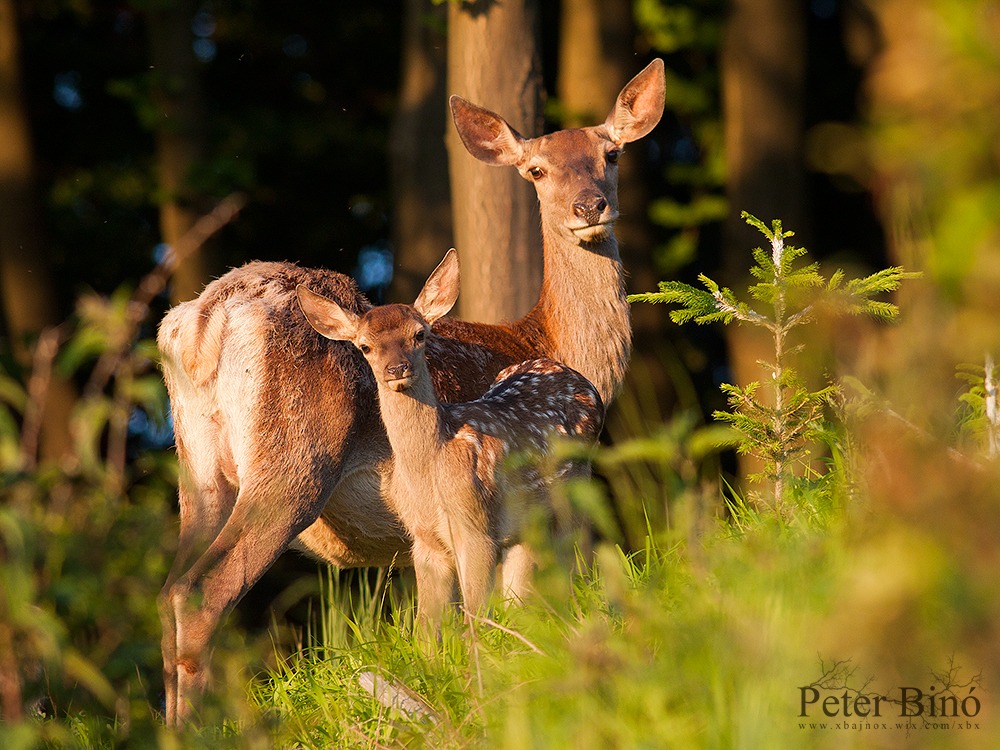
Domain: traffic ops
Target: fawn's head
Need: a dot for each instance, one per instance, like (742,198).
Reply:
(391,337)
(574,172)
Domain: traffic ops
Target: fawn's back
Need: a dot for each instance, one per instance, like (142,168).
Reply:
(530,401)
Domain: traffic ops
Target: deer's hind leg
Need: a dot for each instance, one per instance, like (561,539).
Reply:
(206,499)
(203,513)
(265,519)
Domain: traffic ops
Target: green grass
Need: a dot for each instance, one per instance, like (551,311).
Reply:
(682,644)
(701,635)
(666,647)
(699,638)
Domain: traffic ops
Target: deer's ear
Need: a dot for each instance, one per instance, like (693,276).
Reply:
(486,136)
(440,290)
(639,106)
(326,316)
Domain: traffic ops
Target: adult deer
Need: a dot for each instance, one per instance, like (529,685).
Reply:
(450,484)
(278,432)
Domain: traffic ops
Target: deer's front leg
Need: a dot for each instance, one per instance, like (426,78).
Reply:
(435,574)
(476,562)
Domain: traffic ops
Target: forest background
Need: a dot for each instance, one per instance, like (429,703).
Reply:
(867,126)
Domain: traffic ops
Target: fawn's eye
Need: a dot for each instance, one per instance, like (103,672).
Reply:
(365,349)
(613,155)
(419,336)
(536,173)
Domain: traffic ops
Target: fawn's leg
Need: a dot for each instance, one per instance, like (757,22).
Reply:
(518,564)
(435,572)
(476,562)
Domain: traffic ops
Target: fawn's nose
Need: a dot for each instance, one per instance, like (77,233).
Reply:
(590,206)
(399,370)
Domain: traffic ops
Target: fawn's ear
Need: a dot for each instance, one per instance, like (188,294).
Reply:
(440,290)
(486,136)
(639,106)
(326,316)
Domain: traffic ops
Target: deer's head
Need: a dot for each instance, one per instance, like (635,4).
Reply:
(391,337)
(575,172)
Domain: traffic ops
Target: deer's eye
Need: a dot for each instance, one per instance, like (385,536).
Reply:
(365,349)
(419,336)
(613,155)
(536,173)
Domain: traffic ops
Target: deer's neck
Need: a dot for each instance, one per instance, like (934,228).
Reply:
(412,419)
(583,310)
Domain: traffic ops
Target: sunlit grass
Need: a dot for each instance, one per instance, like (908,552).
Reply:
(665,647)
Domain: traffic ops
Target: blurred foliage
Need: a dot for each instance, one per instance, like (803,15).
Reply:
(940,64)
(298,99)
(982,420)
(688,36)
(85,542)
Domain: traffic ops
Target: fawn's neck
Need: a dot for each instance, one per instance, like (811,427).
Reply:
(412,422)
(583,310)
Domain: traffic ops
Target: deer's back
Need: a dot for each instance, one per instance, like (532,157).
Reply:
(243,356)
(259,297)
(465,358)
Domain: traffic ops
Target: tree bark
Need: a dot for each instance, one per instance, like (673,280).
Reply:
(597,41)
(493,60)
(421,198)
(179,134)
(30,303)
(763,78)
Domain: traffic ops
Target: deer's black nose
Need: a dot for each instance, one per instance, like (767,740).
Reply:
(590,206)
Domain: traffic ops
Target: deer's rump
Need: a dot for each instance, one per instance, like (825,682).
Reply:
(265,407)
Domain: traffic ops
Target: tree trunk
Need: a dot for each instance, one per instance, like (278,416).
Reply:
(30,303)
(179,135)
(763,77)
(421,198)
(493,60)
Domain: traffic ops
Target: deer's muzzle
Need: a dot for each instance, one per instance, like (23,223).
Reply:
(399,377)
(595,217)
(590,207)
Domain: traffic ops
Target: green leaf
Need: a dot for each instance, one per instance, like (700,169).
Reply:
(13,393)
(87,344)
